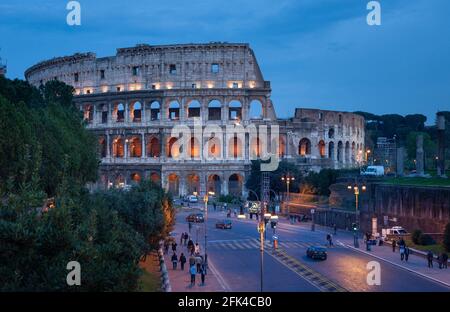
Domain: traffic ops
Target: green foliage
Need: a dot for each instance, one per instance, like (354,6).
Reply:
(321,182)
(426,239)
(43,124)
(446,241)
(226,199)
(415,236)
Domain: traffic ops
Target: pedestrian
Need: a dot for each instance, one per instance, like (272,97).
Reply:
(166,247)
(402,252)
(214,206)
(197,249)
(193,271)
(181,238)
(174,261)
(174,247)
(329,239)
(402,242)
(335,229)
(235,212)
(190,246)
(190,227)
(394,244)
(198,262)
(407,252)
(229,213)
(203,274)
(444,260)
(430,259)
(439,261)
(186,237)
(182,261)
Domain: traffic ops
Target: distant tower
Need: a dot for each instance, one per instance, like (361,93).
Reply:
(440,120)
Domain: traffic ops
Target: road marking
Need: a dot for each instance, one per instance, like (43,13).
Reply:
(314,278)
(400,266)
(219,276)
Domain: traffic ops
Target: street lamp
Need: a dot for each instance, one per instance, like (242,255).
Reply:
(357,188)
(205,199)
(288,178)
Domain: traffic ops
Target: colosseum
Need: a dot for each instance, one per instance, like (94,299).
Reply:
(134,100)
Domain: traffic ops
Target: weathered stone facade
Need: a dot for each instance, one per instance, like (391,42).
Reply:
(133,102)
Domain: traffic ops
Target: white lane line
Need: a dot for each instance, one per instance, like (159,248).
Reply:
(219,276)
(400,266)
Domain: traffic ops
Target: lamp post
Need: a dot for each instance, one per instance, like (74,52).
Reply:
(357,188)
(205,199)
(288,178)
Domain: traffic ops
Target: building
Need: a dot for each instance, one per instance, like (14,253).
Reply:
(138,101)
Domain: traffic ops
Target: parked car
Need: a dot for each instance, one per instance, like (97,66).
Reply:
(195,217)
(316,252)
(374,171)
(224,224)
(192,199)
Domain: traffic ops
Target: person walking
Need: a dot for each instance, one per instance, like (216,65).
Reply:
(407,251)
(197,249)
(166,247)
(193,271)
(174,261)
(181,239)
(402,252)
(335,229)
(394,244)
(430,259)
(203,273)
(190,227)
(190,247)
(329,239)
(174,247)
(182,261)
(444,257)
(214,206)
(439,261)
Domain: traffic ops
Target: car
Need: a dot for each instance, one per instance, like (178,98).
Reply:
(224,224)
(316,252)
(195,217)
(192,199)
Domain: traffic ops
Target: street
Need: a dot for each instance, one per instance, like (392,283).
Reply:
(234,256)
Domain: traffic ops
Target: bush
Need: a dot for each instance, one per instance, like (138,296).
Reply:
(226,199)
(446,241)
(426,240)
(415,237)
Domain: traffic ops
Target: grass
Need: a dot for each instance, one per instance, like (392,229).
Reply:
(436,248)
(149,282)
(417,181)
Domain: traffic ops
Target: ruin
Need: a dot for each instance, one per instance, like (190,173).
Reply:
(132,101)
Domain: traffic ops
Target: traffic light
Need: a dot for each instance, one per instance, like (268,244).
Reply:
(273,224)
(355,226)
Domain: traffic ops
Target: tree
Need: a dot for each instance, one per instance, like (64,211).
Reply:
(446,241)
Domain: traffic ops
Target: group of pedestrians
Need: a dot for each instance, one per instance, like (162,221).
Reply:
(403,249)
(441,259)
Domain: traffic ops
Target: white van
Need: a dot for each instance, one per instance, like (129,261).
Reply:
(375,171)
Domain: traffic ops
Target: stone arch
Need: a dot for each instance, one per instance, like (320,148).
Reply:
(215,110)
(88,112)
(104,112)
(119,112)
(173,148)
(322,149)
(194,148)
(347,152)
(194,109)
(135,146)
(331,133)
(235,110)
(255,148)
(256,110)
(118,147)
(281,147)
(155,110)
(174,110)
(214,147)
(153,147)
(102,147)
(331,154)
(135,178)
(235,147)
(119,181)
(214,184)
(354,152)
(136,111)
(155,177)
(193,183)
(340,152)
(304,147)
(235,182)
(174,184)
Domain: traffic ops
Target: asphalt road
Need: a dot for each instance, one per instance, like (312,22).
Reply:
(235,254)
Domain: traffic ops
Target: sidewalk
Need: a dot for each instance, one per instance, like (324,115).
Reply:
(416,262)
(181,280)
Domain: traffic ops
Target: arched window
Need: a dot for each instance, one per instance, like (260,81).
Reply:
(194,148)
(193,184)
(331,133)
(256,110)
(174,110)
(281,147)
(136,112)
(194,109)
(331,150)
(214,185)
(135,147)
(153,148)
(214,110)
(235,110)
(214,147)
(173,149)
(118,147)
(235,185)
(102,147)
(155,110)
(322,151)
(340,152)
(174,184)
(256,148)
(89,113)
(135,178)
(120,113)
(235,147)
(104,113)
(304,147)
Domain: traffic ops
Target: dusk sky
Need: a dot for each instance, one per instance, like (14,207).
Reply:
(317,53)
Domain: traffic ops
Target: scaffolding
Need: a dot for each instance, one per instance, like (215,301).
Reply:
(386,153)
